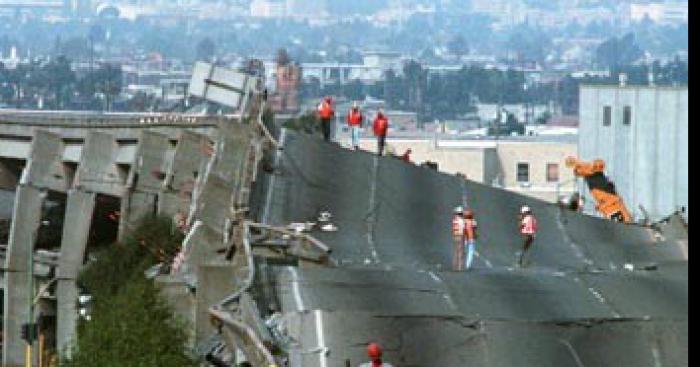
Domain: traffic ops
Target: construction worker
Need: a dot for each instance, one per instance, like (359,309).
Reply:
(326,114)
(355,119)
(458,239)
(375,352)
(380,127)
(406,157)
(469,236)
(528,229)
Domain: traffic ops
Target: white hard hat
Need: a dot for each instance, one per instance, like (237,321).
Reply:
(525,209)
(355,105)
(459,210)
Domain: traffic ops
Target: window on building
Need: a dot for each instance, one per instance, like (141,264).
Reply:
(607,116)
(552,172)
(523,172)
(627,115)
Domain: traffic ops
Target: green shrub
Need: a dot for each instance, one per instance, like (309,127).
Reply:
(130,324)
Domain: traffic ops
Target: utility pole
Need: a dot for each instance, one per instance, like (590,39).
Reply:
(30,326)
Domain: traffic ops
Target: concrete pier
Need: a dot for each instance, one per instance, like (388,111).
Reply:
(23,234)
(76,230)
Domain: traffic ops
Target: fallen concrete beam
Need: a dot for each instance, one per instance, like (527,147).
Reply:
(214,280)
(201,245)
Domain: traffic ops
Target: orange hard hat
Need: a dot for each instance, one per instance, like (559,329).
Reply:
(374,351)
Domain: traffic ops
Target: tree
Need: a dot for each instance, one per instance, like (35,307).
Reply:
(458,46)
(529,43)
(615,52)
(107,80)
(130,325)
(206,49)
(59,78)
(282,58)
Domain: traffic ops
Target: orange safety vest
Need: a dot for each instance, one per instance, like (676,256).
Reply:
(325,111)
(355,118)
(457,226)
(381,125)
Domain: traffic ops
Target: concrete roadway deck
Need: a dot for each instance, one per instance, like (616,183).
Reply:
(576,305)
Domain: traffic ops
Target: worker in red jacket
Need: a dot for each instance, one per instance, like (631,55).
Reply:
(375,352)
(326,113)
(355,119)
(380,127)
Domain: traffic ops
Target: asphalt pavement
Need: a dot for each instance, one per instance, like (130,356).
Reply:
(596,293)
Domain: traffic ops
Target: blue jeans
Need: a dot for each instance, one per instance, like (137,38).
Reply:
(355,136)
(471,249)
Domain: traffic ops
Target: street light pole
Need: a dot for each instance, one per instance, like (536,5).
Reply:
(30,293)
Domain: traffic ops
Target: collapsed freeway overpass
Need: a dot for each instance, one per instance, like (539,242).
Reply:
(596,293)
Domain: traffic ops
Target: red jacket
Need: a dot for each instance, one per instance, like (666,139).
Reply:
(325,110)
(381,125)
(355,118)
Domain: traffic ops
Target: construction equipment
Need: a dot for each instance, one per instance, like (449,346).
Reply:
(608,202)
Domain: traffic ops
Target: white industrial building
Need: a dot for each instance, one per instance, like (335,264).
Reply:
(642,134)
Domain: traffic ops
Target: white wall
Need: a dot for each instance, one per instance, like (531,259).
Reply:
(647,160)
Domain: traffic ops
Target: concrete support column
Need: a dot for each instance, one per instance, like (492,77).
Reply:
(188,163)
(76,230)
(23,234)
(135,206)
(145,180)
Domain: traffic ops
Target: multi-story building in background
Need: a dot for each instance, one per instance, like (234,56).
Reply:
(642,134)
(285,98)
(532,166)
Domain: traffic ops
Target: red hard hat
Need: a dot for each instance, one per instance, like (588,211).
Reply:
(374,351)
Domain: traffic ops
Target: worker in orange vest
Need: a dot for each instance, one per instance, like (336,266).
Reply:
(375,352)
(380,127)
(528,230)
(355,119)
(469,236)
(458,239)
(406,157)
(326,114)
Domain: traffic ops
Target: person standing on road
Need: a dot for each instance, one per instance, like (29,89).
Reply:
(528,230)
(375,352)
(326,113)
(380,127)
(355,119)
(469,236)
(458,239)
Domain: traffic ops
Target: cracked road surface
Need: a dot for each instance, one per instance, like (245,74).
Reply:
(576,305)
